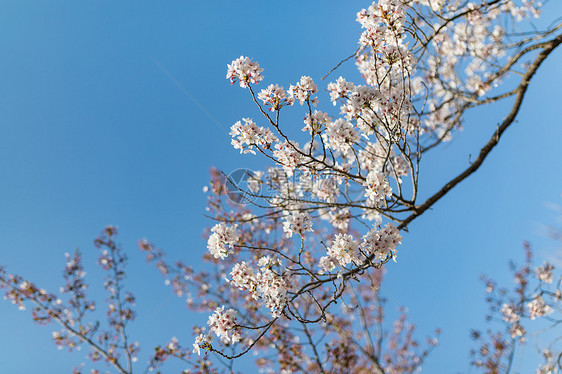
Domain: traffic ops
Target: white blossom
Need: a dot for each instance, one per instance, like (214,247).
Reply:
(298,223)
(538,308)
(275,97)
(376,186)
(303,90)
(222,240)
(509,313)
(544,273)
(223,324)
(244,71)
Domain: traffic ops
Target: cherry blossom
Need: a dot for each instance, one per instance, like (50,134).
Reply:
(223,324)
(275,97)
(538,308)
(222,237)
(303,90)
(244,71)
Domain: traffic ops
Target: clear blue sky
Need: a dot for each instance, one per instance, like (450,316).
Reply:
(93,132)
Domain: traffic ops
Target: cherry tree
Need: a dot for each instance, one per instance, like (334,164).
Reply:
(297,251)
(535,296)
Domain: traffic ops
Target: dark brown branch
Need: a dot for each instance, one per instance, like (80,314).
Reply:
(548,47)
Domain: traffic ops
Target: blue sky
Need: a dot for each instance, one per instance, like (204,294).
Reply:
(93,132)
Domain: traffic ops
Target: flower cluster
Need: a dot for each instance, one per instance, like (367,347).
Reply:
(382,243)
(538,308)
(376,186)
(202,342)
(263,284)
(223,236)
(468,57)
(344,250)
(297,223)
(509,313)
(303,90)
(544,273)
(341,136)
(326,189)
(249,135)
(340,89)
(384,31)
(315,122)
(275,97)
(223,324)
(244,71)
(289,156)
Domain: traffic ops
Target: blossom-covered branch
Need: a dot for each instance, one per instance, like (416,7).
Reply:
(70,310)
(344,197)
